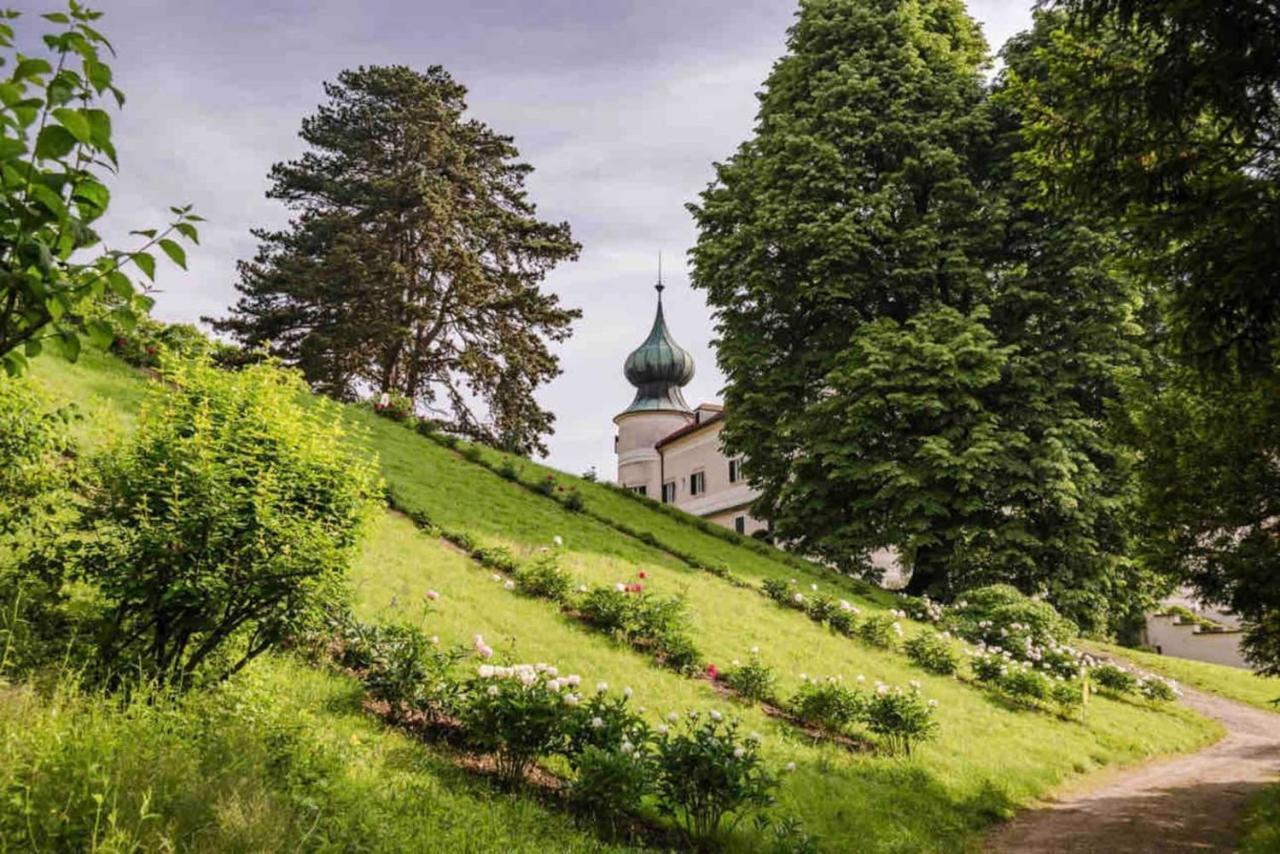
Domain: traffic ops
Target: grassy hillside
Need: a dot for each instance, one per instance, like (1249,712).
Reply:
(1231,682)
(988,757)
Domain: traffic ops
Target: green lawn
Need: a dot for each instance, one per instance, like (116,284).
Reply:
(987,760)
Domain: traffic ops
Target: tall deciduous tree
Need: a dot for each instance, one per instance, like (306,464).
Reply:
(414,261)
(1163,118)
(915,358)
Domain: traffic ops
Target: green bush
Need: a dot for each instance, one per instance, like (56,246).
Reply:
(609,782)
(933,652)
(881,630)
(776,589)
(844,621)
(573,501)
(543,578)
(499,558)
(224,524)
(410,672)
(1115,679)
(1024,684)
(1157,689)
(820,607)
(707,774)
(827,703)
(517,714)
(900,718)
(608,609)
(508,470)
(754,680)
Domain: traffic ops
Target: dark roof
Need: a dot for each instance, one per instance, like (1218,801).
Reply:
(690,428)
(658,368)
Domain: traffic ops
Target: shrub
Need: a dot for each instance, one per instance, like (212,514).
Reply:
(547,486)
(934,653)
(1024,684)
(754,680)
(1000,614)
(820,607)
(843,622)
(1158,690)
(609,781)
(706,773)
(508,470)
(827,703)
(608,609)
(1113,678)
(543,578)
(471,453)
(649,622)
(394,405)
(777,590)
(881,630)
(498,558)
(410,672)
(900,718)
(517,714)
(226,523)
(1066,694)
(573,501)
(987,666)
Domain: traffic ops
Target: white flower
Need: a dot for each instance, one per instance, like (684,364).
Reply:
(739,752)
(555,685)
(596,723)
(496,577)
(573,679)
(861,678)
(933,704)
(628,748)
(509,585)
(435,640)
(552,671)
(755,736)
(601,687)
(485,652)
(571,699)
(715,716)
(673,717)
(755,650)
(663,729)
(486,671)
(626,692)
(790,767)
(558,540)
(813,587)
(915,683)
(384,399)
(804,677)
(798,597)
(793,581)
(582,588)
(433,595)
(493,690)
(735,663)
(882,688)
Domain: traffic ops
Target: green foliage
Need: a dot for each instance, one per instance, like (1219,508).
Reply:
(224,524)
(655,623)
(449,323)
(753,680)
(881,630)
(56,149)
(404,668)
(609,781)
(901,718)
(706,774)
(1114,678)
(933,652)
(542,577)
(827,703)
(394,405)
(517,714)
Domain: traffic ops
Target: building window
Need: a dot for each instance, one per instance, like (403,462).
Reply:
(740,524)
(735,471)
(669,492)
(697,483)
(639,490)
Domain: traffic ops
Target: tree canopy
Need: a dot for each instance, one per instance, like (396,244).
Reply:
(414,260)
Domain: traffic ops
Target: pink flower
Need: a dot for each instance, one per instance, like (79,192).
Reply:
(713,672)
(432,595)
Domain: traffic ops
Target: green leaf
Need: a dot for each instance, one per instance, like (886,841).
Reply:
(56,17)
(33,347)
(148,233)
(70,344)
(99,75)
(176,253)
(94,193)
(120,284)
(15,364)
(100,333)
(11,148)
(100,123)
(146,263)
(54,143)
(30,68)
(51,200)
(76,122)
(188,231)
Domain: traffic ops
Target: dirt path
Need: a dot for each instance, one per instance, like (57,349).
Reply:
(1190,803)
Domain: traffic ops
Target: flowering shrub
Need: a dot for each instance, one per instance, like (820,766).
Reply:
(706,773)
(547,486)
(655,623)
(1022,683)
(900,718)
(1114,678)
(572,500)
(754,680)
(1000,614)
(608,609)
(1067,694)
(493,557)
(933,652)
(881,630)
(827,703)
(923,609)
(987,666)
(777,590)
(517,714)
(844,619)
(394,405)
(508,471)
(410,672)
(820,607)
(1157,689)
(543,578)
(609,780)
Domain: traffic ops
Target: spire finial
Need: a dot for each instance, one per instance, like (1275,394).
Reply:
(659,287)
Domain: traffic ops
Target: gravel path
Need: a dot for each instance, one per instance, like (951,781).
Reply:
(1190,803)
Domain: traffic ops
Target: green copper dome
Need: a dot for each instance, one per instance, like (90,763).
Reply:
(658,368)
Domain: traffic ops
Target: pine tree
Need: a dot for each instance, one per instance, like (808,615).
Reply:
(917,358)
(413,262)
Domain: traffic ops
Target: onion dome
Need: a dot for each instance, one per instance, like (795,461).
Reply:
(658,368)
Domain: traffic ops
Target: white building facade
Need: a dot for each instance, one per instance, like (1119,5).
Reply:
(671,452)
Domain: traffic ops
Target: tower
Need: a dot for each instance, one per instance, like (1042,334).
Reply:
(658,369)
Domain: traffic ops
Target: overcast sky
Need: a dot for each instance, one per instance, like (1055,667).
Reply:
(621,106)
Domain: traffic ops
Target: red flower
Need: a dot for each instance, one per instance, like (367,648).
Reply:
(642,574)
(560,489)
(712,672)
